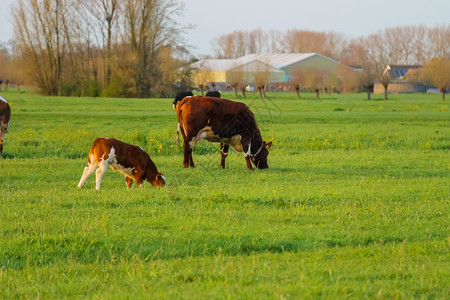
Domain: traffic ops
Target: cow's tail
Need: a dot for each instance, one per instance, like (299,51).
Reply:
(178,136)
(178,108)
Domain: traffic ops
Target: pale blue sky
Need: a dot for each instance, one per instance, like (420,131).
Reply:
(351,17)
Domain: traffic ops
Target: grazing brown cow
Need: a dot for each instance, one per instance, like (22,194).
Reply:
(225,121)
(5,118)
(130,160)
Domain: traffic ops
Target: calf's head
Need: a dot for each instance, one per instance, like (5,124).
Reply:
(157,180)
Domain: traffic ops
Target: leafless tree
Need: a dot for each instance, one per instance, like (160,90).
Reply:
(261,77)
(378,51)
(235,78)
(232,45)
(202,76)
(101,19)
(328,44)
(314,79)
(440,41)
(297,81)
(332,81)
(258,40)
(41,40)
(350,79)
(148,27)
(437,73)
(5,59)
(419,46)
(273,44)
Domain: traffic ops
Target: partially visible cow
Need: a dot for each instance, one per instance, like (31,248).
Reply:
(214,94)
(225,121)
(130,160)
(5,118)
(180,96)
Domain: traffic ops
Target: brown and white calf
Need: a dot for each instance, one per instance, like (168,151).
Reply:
(5,117)
(130,160)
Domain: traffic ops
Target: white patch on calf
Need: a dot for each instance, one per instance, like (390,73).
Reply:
(115,165)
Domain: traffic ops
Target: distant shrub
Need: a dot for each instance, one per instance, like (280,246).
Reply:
(115,89)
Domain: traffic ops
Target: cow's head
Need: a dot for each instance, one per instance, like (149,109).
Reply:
(157,180)
(259,159)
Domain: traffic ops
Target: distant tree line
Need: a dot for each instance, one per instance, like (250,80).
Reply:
(117,48)
(134,48)
(404,45)
(414,44)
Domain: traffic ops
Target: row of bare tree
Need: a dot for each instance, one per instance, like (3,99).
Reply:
(415,44)
(406,45)
(132,47)
(113,47)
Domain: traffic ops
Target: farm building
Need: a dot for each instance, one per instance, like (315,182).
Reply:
(279,67)
(397,75)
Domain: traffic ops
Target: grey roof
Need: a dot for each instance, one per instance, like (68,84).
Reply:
(279,61)
(215,64)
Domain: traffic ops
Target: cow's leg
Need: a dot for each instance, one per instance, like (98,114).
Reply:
(88,170)
(249,163)
(129,181)
(223,153)
(246,150)
(191,160)
(99,173)
(139,181)
(187,160)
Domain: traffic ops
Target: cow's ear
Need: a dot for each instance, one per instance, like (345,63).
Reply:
(268,145)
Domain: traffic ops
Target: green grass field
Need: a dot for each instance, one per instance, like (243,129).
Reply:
(355,203)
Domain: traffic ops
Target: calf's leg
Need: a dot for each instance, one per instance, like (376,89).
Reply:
(99,173)
(129,181)
(88,170)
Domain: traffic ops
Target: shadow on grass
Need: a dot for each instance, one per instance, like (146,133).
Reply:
(54,250)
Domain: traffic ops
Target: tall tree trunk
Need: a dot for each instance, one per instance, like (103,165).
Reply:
(235,92)
(368,90)
(297,91)
(243,87)
(261,90)
(442,90)
(385,91)
(317,93)
(201,88)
